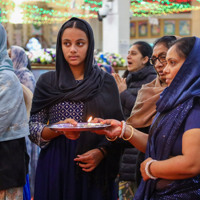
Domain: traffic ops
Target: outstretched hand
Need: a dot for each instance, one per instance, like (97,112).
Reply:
(112,131)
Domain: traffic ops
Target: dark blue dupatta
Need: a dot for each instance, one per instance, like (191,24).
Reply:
(173,107)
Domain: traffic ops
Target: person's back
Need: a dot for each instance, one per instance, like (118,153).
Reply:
(13,128)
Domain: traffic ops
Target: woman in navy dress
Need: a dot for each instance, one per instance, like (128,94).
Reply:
(73,165)
(171,169)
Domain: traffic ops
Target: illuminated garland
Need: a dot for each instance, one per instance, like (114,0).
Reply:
(3,11)
(160,7)
(44,19)
(93,2)
(37,10)
(38,15)
(33,13)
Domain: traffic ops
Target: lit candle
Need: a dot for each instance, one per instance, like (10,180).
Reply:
(90,118)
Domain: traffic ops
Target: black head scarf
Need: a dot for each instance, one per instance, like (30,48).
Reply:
(61,84)
(98,91)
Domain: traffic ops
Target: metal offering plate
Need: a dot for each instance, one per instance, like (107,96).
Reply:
(87,126)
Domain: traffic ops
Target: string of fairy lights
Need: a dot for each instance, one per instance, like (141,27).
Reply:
(160,7)
(53,11)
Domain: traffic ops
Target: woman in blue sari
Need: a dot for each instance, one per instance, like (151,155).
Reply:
(171,169)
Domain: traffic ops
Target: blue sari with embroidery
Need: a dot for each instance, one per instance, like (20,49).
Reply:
(175,103)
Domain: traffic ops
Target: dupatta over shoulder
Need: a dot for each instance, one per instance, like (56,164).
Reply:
(99,93)
(60,84)
(172,109)
(13,119)
(144,109)
(20,62)
(5,61)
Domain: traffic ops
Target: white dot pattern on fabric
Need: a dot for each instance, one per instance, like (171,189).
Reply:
(65,110)
(56,113)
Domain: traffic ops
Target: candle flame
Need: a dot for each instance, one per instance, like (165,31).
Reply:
(90,118)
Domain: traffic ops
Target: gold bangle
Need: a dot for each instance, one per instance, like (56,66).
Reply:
(111,139)
(131,135)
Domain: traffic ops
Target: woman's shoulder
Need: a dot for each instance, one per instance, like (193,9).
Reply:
(150,72)
(108,78)
(25,74)
(47,77)
(24,70)
(8,76)
(9,83)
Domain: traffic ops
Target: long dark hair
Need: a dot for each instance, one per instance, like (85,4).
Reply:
(145,49)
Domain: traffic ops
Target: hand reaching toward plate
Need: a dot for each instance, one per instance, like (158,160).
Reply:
(113,130)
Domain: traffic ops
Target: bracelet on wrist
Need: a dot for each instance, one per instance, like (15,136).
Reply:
(123,126)
(111,139)
(131,135)
(147,171)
